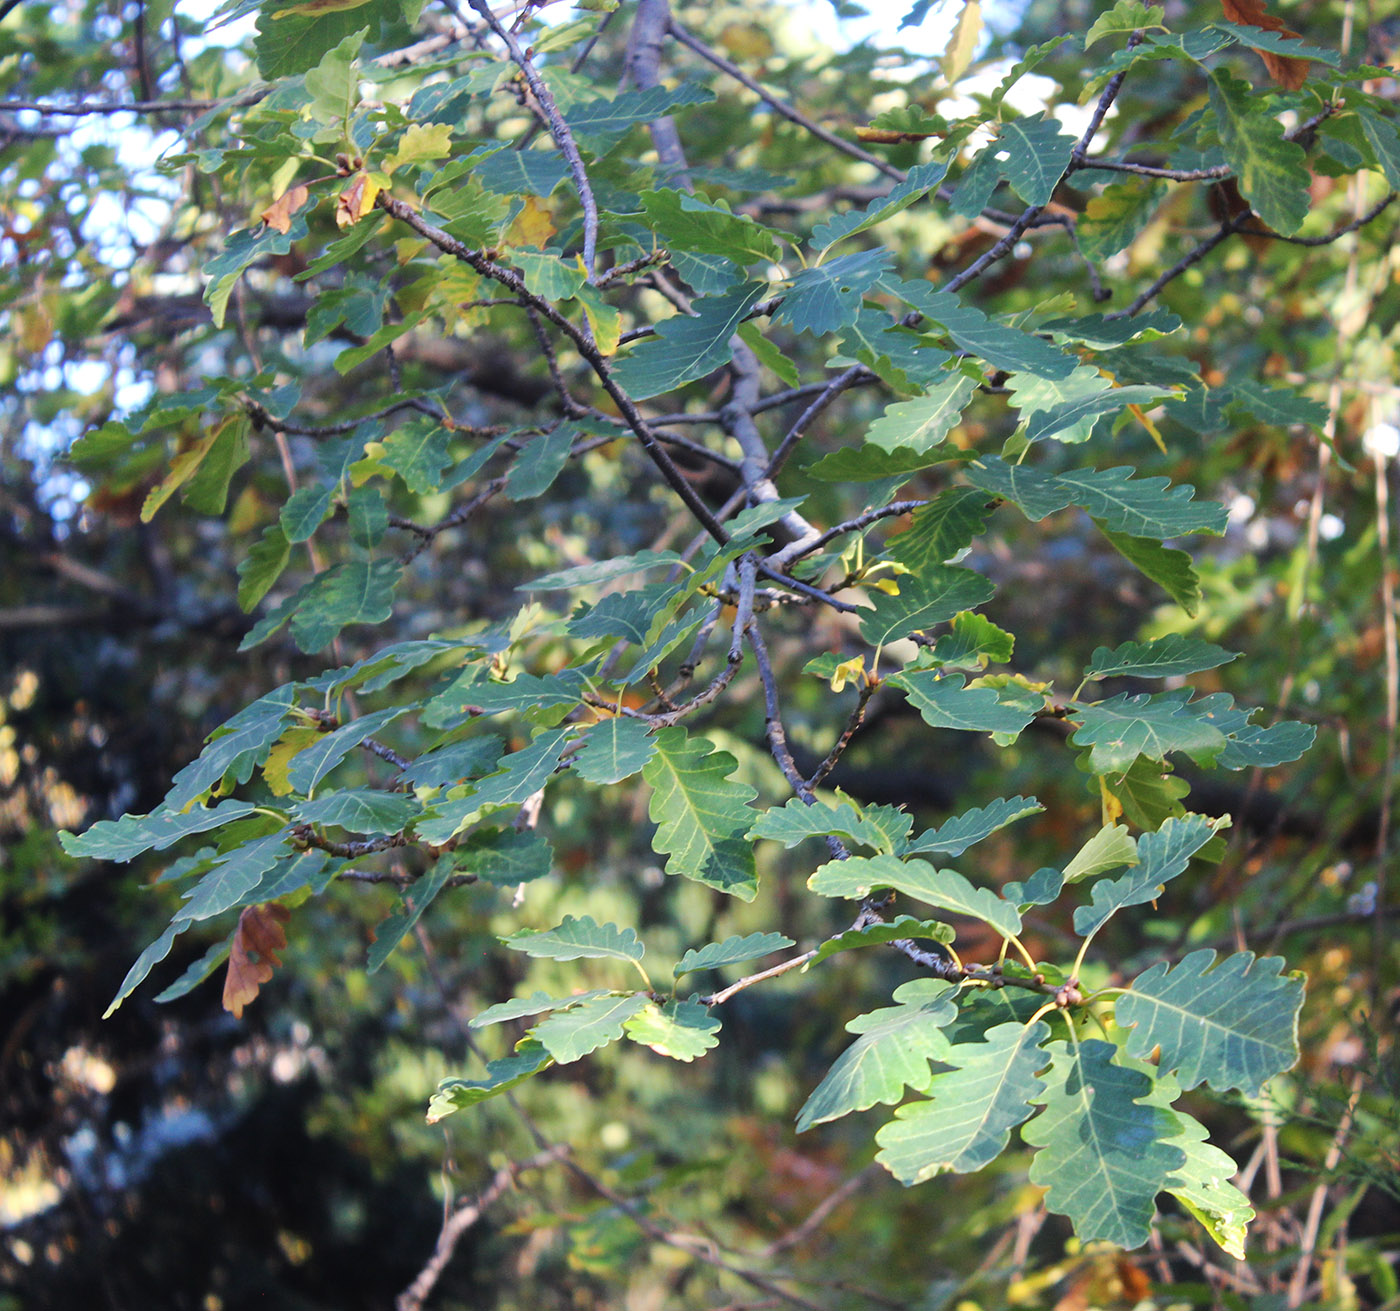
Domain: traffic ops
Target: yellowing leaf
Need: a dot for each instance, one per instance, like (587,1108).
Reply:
(422,141)
(533,226)
(963,44)
(279,759)
(316,8)
(848,671)
(280,213)
(259,933)
(182,468)
(356,200)
(605,321)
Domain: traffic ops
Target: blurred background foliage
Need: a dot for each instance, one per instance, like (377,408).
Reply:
(174,1156)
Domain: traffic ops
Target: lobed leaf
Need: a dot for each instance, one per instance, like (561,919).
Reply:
(1232,1024)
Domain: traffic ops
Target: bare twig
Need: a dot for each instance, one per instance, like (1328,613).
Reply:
(456,1222)
(781,106)
(558,129)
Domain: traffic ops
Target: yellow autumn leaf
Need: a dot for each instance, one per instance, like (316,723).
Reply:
(316,8)
(422,141)
(182,469)
(963,44)
(279,759)
(848,671)
(533,226)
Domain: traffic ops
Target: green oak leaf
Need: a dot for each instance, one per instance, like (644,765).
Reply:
(1161,856)
(925,599)
(944,888)
(1105,1152)
(943,702)
(970,1110)
(732,951)
(701,816)
(1141,724)
(885,828)
(1161,657)
(529,1058)
(956,835)
(686,346)
(1232,1024)
(571,1034)
(575,938)
(893,1051)
(681,1030)
(1272,172)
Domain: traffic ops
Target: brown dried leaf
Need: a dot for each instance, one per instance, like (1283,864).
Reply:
(259,933)
(280,213)
(356,200)
(1285,70)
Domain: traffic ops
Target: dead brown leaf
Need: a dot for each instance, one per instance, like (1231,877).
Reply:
(259,933)
(1284,69)
(280,213)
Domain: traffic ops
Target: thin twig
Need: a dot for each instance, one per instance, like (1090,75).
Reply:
(558,129)
(857,375)
(458,1221)
(781,106)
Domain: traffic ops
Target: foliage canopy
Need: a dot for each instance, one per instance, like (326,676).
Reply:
(645,448)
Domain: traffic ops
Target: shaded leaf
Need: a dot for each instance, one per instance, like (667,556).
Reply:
(828,296)
(129,836)
(1161,856)
(686,347)
(925,599)
(1271,172)
(905,926)
(1169,568)
(361,810)
(416,899)
(529,1058)
(1105,1153)
(922,179)
(940,529)
(956,835)
(943,702)
(310,766)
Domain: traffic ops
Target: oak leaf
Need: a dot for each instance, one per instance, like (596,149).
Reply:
(1284,69)
(259,933)
(356,200)
(280,213)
